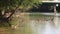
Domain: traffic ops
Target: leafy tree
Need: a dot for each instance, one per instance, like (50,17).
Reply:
(11,6)
(14,4)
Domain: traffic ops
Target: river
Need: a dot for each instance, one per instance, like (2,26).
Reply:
(35,27)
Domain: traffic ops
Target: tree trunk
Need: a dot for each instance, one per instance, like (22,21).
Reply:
(12,12)
(55,16)
(55,11)
(0,13)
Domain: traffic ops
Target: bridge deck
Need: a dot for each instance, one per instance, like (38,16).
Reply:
(50,1)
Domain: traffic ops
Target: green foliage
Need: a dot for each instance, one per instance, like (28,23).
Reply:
(14,3)
(4,3)
(27,3)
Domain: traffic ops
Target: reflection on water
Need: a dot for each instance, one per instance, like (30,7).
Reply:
(43,29)
(47,27)
(37,27)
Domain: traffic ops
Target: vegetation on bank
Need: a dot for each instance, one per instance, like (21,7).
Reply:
(9,7)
